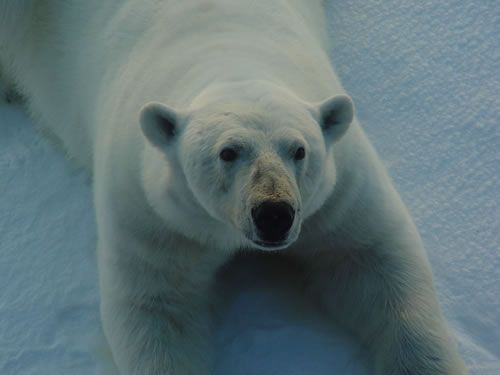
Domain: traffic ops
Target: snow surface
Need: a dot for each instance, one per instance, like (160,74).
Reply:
(424,76)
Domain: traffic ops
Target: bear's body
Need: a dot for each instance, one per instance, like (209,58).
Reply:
(249,141)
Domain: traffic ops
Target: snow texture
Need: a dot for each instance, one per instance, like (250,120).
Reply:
(424,76)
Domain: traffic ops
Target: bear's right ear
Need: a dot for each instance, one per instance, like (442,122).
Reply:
(160,124)
(335,115)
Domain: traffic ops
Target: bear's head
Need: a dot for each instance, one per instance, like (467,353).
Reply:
(245,164)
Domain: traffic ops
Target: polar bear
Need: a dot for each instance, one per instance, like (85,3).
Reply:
(212,126)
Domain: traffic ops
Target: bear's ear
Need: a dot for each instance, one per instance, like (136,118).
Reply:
(160,124)
(335,116)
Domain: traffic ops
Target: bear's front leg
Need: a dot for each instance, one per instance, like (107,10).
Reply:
(386,298)
(156,315)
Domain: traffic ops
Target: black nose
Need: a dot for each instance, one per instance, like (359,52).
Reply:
(273,220)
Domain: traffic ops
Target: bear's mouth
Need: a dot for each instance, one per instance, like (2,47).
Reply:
(265,245)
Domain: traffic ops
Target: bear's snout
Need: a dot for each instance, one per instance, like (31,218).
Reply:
(273,220)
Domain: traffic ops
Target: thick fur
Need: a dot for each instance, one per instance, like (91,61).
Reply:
(222,73)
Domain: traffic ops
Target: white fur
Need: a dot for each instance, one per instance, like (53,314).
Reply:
(252,75)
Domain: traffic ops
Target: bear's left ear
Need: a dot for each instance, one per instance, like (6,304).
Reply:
(335,116)
(160,124)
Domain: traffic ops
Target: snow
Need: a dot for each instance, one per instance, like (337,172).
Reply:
(424,76)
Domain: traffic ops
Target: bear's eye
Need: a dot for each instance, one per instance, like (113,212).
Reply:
(300,153)
(228,154)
